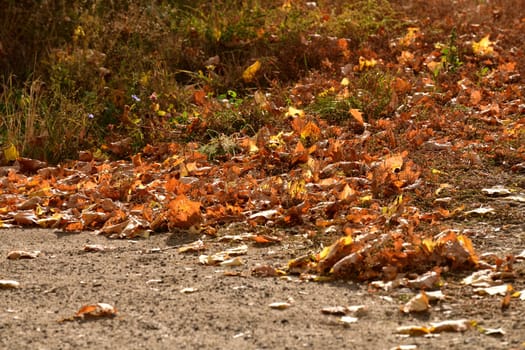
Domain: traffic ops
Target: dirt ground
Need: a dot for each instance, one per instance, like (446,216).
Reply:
(145,280)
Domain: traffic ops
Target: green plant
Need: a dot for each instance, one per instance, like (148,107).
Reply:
(94,60)
(369,92)
(450,57)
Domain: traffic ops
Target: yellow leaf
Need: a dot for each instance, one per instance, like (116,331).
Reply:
(483,47)
(287,5)
(435,67)
(249,74)
(78,33)
(292,112)
(365,64)
(345,82)
(438,172)
(10,152)
(410,37)
(297,189)
(394,207)
(365,199)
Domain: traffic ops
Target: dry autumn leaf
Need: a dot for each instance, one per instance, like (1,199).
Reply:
(484,47)
(418,303)
(23,254)
(93,311)
(183,212)
(280,305)
(249,73)
(9,284)
(356,113)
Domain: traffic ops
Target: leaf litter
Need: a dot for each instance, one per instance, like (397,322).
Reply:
(370,185)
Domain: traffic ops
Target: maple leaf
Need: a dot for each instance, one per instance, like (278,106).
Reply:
(183,212)
(484,47)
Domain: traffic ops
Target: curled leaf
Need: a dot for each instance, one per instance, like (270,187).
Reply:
(249,73)
(96,311)
(23,254)
(419,303)
(9,284)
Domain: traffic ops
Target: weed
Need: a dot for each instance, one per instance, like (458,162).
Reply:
(98,63)
(450,57)
(369,92)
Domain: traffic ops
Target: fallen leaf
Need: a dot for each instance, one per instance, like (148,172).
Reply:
(438,327)
(10,152)
(356,310)
(334,310)
(96,248)
(404,347)
(484,47)
(237,261)
(480,211)
(495,290)
(96,311)
(358,116)
(212,259)
(418,303)
(240,250)
(493,331)
(9,284)
(266,271)
(25,218)
(496,191)
(280,305)
(348,319)
(451,326)
(23,254)
(249,73)
(196,246)
(435,295)
(366,64)
(183,212)
(413,331)
(426,281)
(481,278)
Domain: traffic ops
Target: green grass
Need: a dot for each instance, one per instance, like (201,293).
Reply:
(369,91)
(82,75)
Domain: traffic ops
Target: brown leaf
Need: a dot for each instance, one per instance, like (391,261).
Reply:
(25,218)
(96,311)
(28,165)
(23,254)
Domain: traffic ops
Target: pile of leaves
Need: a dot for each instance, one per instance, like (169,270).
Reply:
(377,179)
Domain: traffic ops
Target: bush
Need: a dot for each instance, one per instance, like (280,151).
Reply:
(88,73)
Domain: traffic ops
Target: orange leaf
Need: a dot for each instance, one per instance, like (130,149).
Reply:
(199,97)
(475,97)
(261,239)
(310,131)
(96,310)
(175,186)
(184,212)
(356,113)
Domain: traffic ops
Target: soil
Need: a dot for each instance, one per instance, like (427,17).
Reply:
(167,299)
(227,308)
